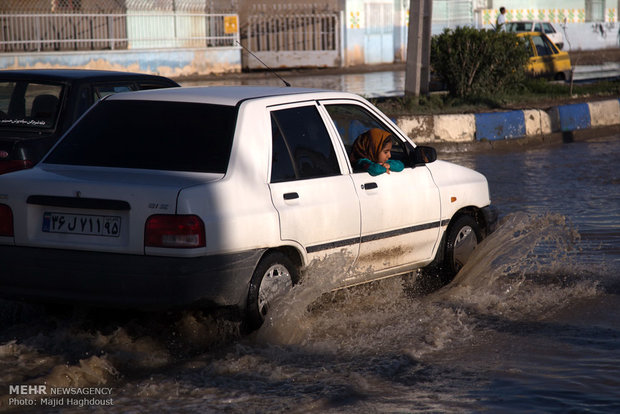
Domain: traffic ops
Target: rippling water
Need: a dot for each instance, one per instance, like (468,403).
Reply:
(529,325)
(372,84)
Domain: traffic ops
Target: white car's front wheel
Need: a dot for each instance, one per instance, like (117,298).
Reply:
(462,239)
(273,277)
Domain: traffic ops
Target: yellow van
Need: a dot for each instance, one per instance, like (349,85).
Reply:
(546,59)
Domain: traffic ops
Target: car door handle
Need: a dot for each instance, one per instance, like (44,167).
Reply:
(290,196)
(369,186)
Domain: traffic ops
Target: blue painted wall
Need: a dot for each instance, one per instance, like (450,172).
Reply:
(573,117)
(166,62)
(500,125)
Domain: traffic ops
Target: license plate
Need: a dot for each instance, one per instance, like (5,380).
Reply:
(108,226)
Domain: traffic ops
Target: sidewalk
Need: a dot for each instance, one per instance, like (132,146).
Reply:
(561,123)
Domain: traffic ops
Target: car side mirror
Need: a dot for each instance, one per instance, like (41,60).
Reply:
(423,155)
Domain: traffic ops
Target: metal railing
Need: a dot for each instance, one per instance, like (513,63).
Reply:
(133,30)
(293,32)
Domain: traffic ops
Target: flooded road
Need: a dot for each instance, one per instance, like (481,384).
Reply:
(369,85)
(530,323)
(372,84)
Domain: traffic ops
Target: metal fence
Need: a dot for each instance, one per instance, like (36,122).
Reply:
(117,6)
(451,13)
(131,30)
(293,32)
(42,32)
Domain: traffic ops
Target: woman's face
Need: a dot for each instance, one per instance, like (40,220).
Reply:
(386,153)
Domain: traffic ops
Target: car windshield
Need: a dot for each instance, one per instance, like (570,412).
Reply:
(29,105)
(156,135)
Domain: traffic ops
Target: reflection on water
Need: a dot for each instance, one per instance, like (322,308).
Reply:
(578,180)
(370,85)
(530,324)
(375,84)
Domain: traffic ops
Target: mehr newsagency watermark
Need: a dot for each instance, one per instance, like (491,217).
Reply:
(21,395)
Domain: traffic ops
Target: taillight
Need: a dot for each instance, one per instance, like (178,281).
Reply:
(185,231)
(14,165)
(6,221)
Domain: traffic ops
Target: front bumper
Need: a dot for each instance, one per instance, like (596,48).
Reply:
(107,279)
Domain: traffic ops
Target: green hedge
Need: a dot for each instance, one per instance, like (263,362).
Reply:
(478,63)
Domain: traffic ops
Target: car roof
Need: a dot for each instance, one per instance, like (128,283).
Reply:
(223,95)
(524,34)
(74,74)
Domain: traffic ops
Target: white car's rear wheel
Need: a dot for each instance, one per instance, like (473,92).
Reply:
(273,277)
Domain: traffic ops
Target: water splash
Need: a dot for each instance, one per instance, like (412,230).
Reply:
(528,267)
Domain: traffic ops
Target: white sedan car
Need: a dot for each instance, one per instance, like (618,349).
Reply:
(221,195)
(536,26)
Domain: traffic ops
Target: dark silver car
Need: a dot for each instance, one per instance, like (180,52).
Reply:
(37,106)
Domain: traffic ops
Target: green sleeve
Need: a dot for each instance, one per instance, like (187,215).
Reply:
(376,169)
(372,168)
(396,166)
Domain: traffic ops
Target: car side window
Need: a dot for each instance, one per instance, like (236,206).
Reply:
(151,85)
(528,47)
(84,101)
(282,167)
(548,28)
(542,47)
(353,120)
(29,104)
(91,93)
(101,91)
(302,147)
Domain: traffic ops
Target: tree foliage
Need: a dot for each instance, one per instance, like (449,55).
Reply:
(478,63)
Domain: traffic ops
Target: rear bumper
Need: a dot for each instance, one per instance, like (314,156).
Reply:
(106,279)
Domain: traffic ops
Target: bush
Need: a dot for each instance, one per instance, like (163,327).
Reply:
(478,63)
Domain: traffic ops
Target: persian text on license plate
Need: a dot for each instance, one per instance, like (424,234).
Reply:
(109,226)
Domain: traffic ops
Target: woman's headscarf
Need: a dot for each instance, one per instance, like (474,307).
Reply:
(369,144)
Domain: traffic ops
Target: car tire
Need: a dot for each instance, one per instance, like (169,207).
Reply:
(462,239)
(275,275)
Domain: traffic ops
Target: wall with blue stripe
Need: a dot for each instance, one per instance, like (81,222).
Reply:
(166,62)
(494,126)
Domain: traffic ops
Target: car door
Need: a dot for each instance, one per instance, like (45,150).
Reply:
(316,202)
(543,62)
(400,211)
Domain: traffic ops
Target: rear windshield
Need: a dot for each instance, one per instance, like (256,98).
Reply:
(174,136)
(29,105)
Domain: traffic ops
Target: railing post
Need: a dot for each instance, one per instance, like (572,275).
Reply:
(111,34)
(342,28)
(38,33)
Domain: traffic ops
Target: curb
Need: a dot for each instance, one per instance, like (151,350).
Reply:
(499,126)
